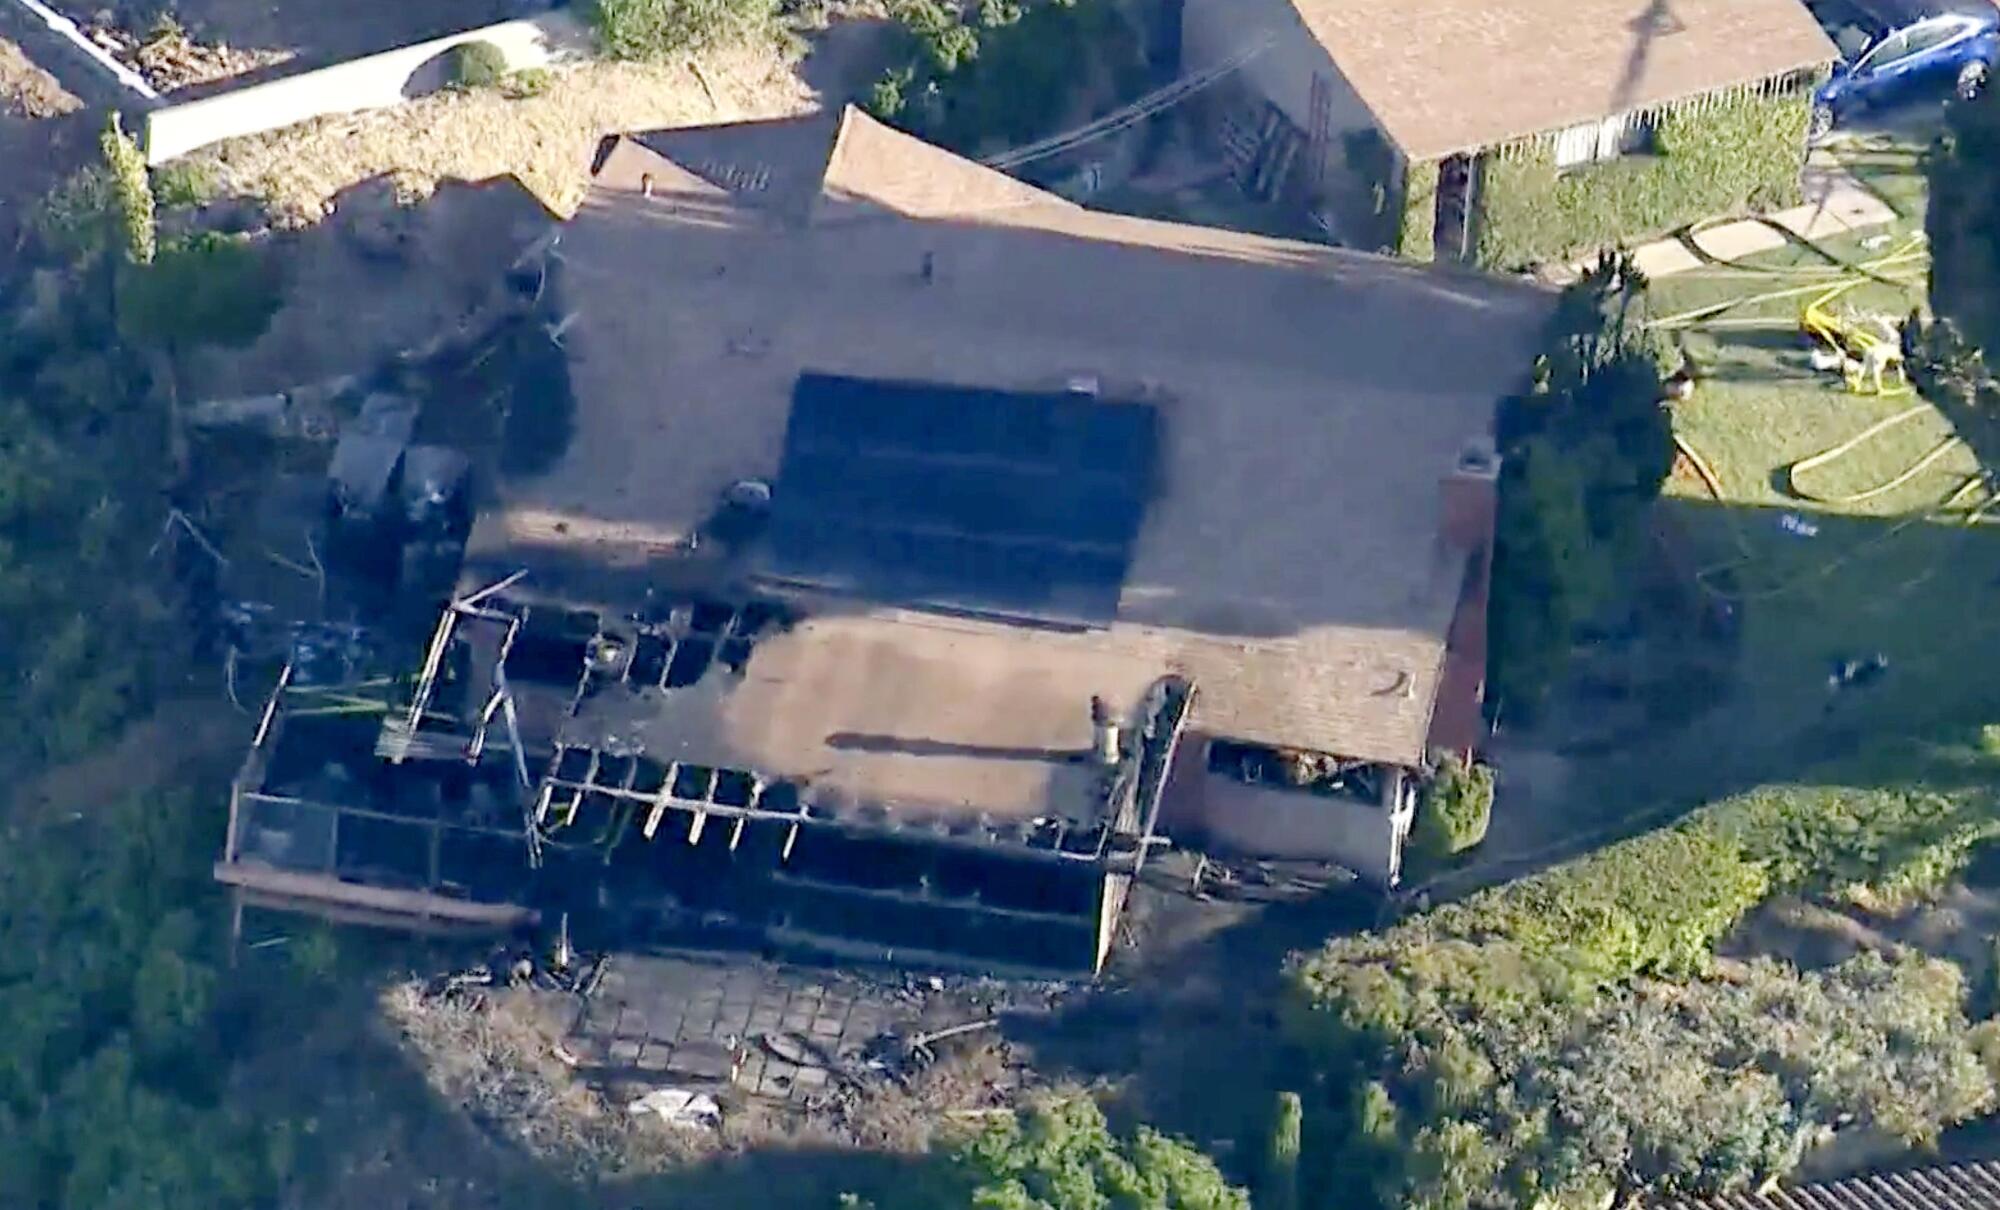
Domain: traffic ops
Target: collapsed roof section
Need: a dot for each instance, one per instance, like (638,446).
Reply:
(543,760)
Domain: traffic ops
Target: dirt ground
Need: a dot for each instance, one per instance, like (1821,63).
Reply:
(26,91)
(546,141)
(375,281)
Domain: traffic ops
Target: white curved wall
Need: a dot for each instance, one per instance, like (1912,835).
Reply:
(371,82)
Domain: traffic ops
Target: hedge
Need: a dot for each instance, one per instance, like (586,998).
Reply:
(1496,1024)
(1736,155)
(1656,903)
(1417,232)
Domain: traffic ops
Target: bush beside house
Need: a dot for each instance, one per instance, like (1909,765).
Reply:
(1457,806)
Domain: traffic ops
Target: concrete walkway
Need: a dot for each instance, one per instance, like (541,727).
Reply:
(1836,204)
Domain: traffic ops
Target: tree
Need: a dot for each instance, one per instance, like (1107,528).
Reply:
(665,29)
(131,190)
(111,1048)
(1453,1166)
(1280,1190)
(1000,71)
(207,289)
(1963,219)
(1586,451)
(1059,1154)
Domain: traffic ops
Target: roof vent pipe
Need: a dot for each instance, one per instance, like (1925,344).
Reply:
(1103,733)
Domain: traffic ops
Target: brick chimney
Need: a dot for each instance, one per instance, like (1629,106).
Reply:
(1470,497)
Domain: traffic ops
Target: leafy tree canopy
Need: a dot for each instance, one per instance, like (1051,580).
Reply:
(207,289)
(1060,1154)
(1586,452)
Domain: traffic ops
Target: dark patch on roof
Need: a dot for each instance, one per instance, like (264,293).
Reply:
(931,494)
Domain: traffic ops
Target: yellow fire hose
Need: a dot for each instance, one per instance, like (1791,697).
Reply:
(1910,252)
(1797,470)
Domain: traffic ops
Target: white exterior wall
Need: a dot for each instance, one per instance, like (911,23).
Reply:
(1260,821)
(371,82)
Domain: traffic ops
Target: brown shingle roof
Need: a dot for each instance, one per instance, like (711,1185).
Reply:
(1448,76)
(1974,1186)
(1311,400)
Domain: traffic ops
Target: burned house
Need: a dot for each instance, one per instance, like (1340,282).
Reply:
(924,549)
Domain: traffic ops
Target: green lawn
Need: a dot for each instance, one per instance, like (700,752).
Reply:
(1887,574)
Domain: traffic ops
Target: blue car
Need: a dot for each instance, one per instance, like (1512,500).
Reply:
(1961,47)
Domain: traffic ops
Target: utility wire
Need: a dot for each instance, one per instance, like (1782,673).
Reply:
(1165,97)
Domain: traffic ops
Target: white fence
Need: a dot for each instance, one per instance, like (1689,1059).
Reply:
(370,82)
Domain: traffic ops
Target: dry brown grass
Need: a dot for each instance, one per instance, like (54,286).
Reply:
(27,90)
(545,140)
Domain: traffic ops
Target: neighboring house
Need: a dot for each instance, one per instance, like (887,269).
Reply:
(1421,97)
(928,541)
(1973,1186)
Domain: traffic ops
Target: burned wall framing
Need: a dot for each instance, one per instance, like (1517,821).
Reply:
(579,823)
(415,849)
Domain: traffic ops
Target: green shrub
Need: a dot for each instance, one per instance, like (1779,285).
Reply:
(210,289)
(664,29)
(1709,161)
(1456,807)
(184,183)
(1416,232)
(889,96)
(477,65)
(131,192)
(528,82)
(1058,1154)
(76,216)
(1000,72)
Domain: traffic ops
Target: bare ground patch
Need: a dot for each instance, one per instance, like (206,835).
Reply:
(498,1056)
(29,92)
(546,141)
